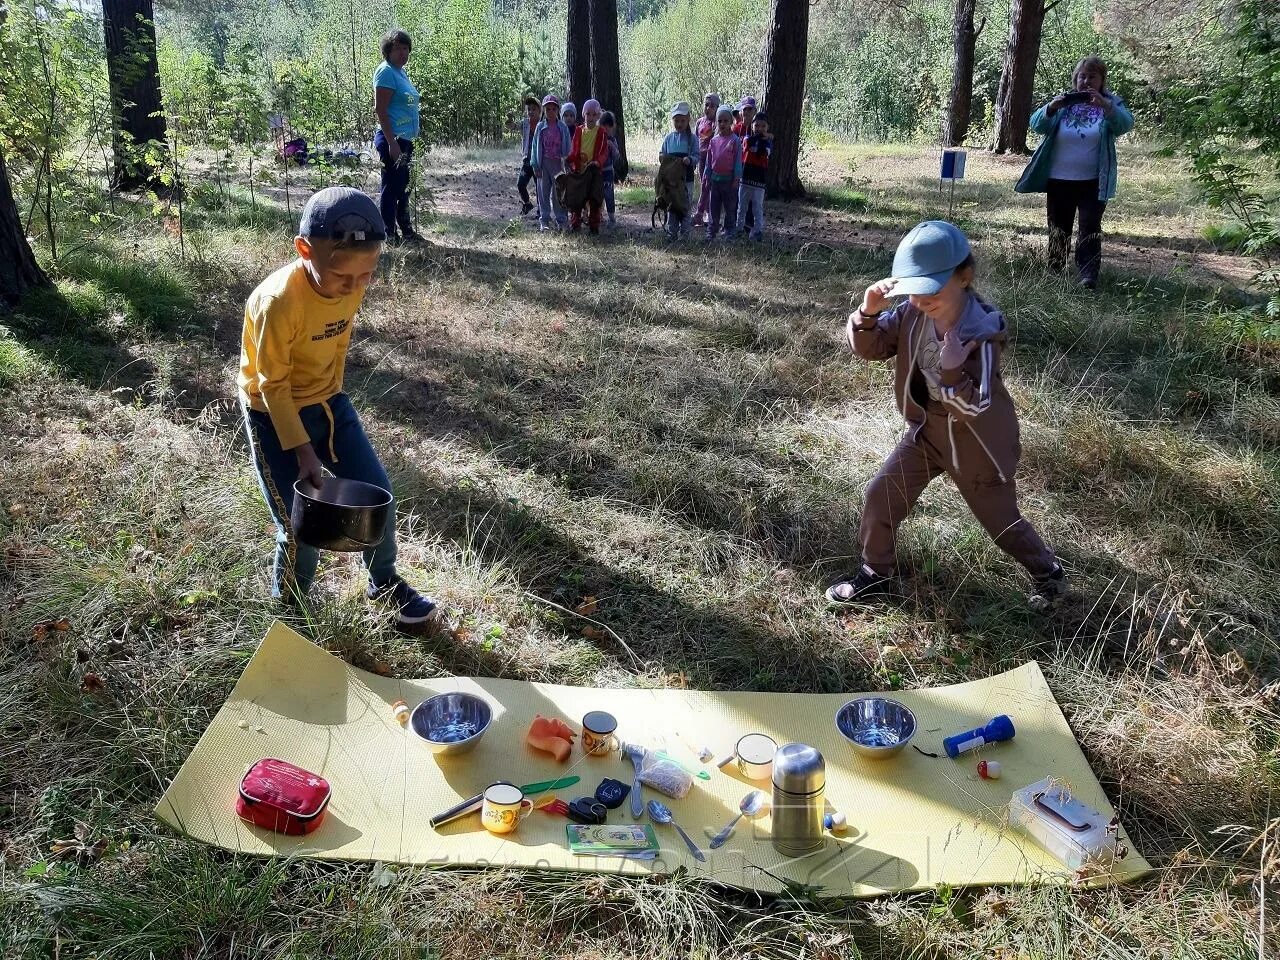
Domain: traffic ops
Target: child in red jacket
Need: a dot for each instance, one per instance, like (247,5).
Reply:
(590,145)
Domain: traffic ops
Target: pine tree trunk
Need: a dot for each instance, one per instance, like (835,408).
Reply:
(606,71)
(19,271)
(786,52)
(964,39)
(134,77)
(1017,78)
(578,51)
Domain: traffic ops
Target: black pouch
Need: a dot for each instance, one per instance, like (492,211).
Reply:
(612,792)
(587,810)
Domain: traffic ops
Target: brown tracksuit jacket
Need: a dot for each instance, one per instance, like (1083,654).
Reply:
(971,434)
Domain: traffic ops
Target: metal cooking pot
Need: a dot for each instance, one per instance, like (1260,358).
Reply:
(347,516)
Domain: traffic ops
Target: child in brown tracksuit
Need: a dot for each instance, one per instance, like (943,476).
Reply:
(946,344)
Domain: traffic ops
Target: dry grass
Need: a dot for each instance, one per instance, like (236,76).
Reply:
(680,434)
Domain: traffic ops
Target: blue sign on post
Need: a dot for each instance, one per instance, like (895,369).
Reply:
(953,160)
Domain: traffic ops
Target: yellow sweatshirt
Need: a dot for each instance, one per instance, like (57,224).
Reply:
(293,348)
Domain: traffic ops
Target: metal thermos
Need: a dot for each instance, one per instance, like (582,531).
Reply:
(799,788)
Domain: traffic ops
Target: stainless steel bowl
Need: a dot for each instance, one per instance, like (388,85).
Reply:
(876,726)
(451,723)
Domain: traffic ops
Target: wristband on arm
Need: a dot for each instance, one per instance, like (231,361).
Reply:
(873,317)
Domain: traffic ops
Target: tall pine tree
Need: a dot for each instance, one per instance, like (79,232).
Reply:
(786,52)
(1017,77)
(19,271)
(578,51)
(964,39)
(139,139)
(606,71)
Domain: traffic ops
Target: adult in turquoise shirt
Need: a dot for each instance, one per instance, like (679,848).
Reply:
(1075,165)
(395,99)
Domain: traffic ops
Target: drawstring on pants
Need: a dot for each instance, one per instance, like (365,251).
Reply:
(333,455)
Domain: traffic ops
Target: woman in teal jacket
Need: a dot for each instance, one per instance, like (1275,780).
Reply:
(1075,165)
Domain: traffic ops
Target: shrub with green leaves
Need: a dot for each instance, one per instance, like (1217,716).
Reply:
(54,110)
(1223,113)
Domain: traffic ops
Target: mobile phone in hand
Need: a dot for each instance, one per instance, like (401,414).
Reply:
(1076,96)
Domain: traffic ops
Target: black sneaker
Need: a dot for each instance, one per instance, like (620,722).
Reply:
(1049,592)
(412,608)
(1089,283)
(525,207)
(865,585)
(411,235)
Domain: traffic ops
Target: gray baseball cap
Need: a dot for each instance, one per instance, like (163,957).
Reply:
(342,213)
(927,256)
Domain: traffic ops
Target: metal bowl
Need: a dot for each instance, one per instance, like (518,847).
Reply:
(876,726)
(451,723)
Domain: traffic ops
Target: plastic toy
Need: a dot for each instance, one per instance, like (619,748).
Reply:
(552,736)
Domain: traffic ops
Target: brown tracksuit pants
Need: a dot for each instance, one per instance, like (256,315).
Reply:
(920,457)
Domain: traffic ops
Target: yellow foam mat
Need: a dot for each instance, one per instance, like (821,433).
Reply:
(915,822)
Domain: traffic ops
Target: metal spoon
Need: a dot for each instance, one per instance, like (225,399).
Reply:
(752,806)
(660,813)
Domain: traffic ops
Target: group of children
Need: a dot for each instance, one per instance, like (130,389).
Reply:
(554,141)
(727,152)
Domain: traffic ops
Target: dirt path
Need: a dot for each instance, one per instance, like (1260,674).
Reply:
(895,189)
(482,186)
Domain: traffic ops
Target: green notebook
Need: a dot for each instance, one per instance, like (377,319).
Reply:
(611,839)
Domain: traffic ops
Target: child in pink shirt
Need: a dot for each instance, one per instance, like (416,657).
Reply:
(705,130)
(724,171)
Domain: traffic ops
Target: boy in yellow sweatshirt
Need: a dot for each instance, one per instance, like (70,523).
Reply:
(297,328)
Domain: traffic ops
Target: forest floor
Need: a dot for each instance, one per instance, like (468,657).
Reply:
(868,195)
(677,438)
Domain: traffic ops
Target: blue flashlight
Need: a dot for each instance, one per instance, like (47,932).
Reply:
(1000,728)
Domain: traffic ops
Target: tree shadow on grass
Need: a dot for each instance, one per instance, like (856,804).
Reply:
(781,512)
(704,467)
(559,283)
(511,406)
(65,328)
(235,210)
(981,210)
(714,647)
(803,524)
(1146,302)
(114,321)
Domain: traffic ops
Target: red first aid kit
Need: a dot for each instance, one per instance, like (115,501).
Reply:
(282,797)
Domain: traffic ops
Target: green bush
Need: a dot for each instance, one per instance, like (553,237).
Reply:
(688,48)
(466,67)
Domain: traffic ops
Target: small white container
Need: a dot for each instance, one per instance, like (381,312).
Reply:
(1072,831)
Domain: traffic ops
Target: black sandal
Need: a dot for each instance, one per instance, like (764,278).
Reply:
(864,586)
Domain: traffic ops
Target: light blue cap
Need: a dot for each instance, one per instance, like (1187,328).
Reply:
(927,256)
